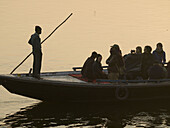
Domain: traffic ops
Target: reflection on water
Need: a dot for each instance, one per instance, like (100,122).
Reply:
(69,115)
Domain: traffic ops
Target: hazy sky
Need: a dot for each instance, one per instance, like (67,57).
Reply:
(95,25)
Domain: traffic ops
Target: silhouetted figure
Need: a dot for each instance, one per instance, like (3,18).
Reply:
(97,69)
(129,54)
(159,54)
(115,63)
(87,70)
(133,66)
(157,71)
(111,49)
(35,41)
(138,50)
(147,61)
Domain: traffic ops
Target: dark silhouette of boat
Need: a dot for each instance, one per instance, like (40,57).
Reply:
(64,87)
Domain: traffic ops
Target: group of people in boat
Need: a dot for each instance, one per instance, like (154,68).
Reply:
(133,66)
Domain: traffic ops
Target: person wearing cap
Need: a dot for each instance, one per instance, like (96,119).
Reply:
(117,48)
(115,63)
(87,70)
(159,54)
(35,41)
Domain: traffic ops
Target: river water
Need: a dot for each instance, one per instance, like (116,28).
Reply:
(94,25)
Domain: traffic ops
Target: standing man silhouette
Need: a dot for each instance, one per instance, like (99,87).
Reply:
(35,41)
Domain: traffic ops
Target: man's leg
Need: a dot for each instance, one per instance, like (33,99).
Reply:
(36,65)
(39,63)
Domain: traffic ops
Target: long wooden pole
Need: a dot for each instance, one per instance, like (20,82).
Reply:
(42,42)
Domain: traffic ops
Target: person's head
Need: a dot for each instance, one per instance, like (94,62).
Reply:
(138,50)
(99,57)
(115,49)
(147,49)
(38,29)
(159,46)
(94,54)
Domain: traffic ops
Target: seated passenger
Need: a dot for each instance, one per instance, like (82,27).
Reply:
(129,54)
(107,61)
(159,54)
(115,63)
(138,50)
(97,69)
(87,70)
(133,65)
(147,62)
(157,71)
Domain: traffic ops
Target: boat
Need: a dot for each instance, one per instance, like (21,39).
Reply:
(69,86)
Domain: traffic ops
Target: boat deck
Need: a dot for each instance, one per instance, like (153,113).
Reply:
(54,76)
(65,78)
(75,77)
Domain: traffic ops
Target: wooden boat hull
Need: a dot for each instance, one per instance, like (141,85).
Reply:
(61,91)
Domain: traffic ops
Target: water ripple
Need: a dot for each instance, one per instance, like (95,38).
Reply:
(76,115)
